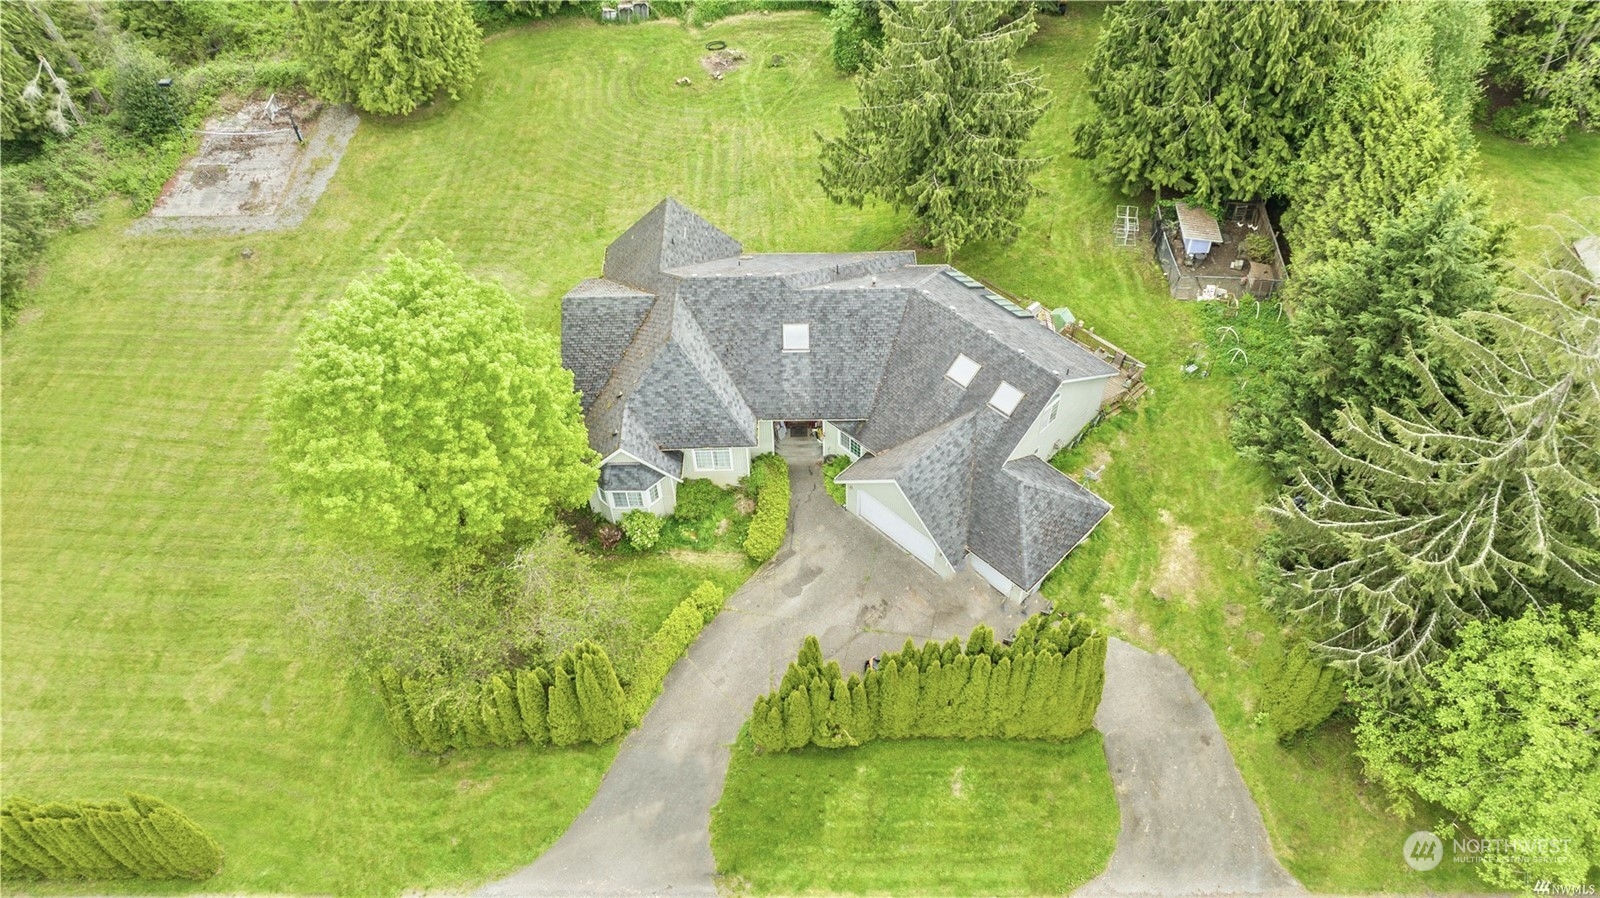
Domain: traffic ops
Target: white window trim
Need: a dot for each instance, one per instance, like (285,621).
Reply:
(798,339)
(849,444)
(654,494)
(614,502)
(1053,410)
(997,401)
(951,372)
(712,465)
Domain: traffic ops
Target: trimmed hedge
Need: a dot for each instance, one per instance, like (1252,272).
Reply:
(1045,685)
(769,476)
(578,699)
(145,838)
(1298,691)
(668,644)
(831,466)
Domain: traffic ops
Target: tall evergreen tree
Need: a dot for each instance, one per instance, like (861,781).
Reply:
(797,729)
(1479,501)
(389,56)
(1210,99)
(943,119)
(1383,141)
(566,721)
(1357,316)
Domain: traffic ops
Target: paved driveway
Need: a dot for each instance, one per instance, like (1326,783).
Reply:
(1189,826)
(645,832)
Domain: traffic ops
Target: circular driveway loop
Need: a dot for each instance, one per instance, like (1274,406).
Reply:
(1188,824)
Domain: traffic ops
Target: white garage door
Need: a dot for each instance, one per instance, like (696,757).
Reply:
(897,528)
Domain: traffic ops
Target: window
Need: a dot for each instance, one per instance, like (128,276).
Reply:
(963,370)
(797,338)
(627,499)
(850,445)
(655,492)
(1005,399)
(1050,413)
(713,459)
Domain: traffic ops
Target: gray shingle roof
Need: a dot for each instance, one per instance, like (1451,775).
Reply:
(934,471)
(598,320)
(1028,516)
(697,360)
(628,477)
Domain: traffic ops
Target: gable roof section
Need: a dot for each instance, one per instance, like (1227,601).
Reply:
(1028,516)
(686,399)
(668,236)
(934,471)
(851,338)
(598,321)
(1195,223)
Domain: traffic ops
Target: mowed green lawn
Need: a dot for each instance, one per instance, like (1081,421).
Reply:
(924,817)
(149,569)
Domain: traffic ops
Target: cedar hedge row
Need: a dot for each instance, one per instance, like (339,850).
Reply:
(1045,685)
(578,699)
(668,644)
(769,476)
(145,838)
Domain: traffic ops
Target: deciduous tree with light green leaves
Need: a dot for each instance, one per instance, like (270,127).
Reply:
(1547,53)
(1212,100)
(1504,733)
(943,119)
(422,415)
(389,56)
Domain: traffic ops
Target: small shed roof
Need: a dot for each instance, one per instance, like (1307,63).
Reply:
(1198,224)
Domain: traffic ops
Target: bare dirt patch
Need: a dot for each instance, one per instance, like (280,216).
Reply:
(957,786)
(1178,576)
(720,62)
(252,172)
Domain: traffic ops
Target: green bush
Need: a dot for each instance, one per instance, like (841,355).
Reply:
(1046,685)
(145,109)
(1298,691)
(642,527)
(771,520)
(668,644)
(698,499)
(145,838)
(831,466)
(1259,248)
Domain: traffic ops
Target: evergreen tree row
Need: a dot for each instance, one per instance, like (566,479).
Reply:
(145,838)
(1045,685)
(578,699)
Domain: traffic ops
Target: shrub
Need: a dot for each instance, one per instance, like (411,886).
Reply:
(1259,248)
(145,838)
(831,466)
(771,520)
(668,644)
(698,499)
(609,535)
(642,528)
(147,110)
(1046,685)
(1298,691)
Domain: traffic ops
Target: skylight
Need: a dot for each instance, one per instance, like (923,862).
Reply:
(1005,399)
(797,338)
(963,370)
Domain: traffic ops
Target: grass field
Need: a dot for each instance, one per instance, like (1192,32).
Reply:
(925,817)
(149,567)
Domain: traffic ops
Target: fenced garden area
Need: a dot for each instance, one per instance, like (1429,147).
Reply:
(1248,260)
